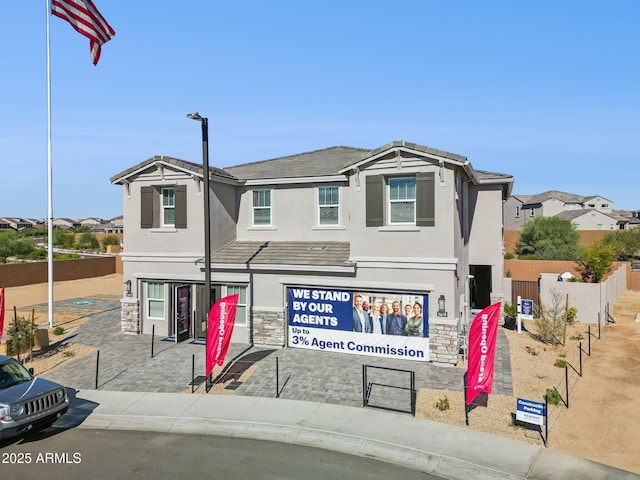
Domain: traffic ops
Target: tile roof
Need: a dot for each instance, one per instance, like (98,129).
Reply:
(283,253)
(327,161)
(573,214)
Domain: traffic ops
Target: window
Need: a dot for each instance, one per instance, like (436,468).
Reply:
(261,208)
(168,207)
(532,212)
(599,226)
(155,300)
(162,207)
(328,205)
(517,211)
(241,311)
(402,200)
(407,200)
(605,205)
(592,205)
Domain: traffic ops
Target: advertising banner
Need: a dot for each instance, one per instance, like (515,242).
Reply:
(390,325)
(482,350)
(222,317)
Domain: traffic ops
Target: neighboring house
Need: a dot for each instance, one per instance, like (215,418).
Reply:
(627,219)
(91,222)
(15,223)
(65,223)
(520,209)
(305,238)
(590,219)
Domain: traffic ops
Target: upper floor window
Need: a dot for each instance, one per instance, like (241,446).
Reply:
(168,207)
(408,200)
(262,207)
(163,207)
(328,205)
(241,309)
(517,211)
(605,205)
(155,300)
(592,205)
(402,200)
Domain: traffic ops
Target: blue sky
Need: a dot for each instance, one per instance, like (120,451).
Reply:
(545,91)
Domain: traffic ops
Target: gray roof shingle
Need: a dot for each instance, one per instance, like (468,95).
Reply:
(283,253)
(327,161)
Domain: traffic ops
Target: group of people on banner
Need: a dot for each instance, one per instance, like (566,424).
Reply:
(406,320)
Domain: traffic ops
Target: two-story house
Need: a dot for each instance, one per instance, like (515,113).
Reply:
(590,212)
(412,234)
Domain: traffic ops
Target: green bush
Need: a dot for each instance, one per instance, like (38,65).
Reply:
(560,363)
(58,331)
(110,240)
(572,313)
(443,404)
(510,309)
(88,240)
(553,396)
(509,256)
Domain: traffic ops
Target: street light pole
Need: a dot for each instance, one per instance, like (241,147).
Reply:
(207,218)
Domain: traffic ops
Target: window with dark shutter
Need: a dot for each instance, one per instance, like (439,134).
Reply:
(425,199)
(180,206)
(375,200)
(146,207)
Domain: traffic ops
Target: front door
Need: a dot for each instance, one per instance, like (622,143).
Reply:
(202,312)
(182,316)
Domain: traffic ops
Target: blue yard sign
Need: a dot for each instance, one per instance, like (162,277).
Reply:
(529,411)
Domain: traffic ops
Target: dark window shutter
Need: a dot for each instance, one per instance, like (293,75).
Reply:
(146,207)
(375,200)
(425,199)
(180,220)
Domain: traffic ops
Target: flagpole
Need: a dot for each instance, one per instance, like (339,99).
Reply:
(49,175)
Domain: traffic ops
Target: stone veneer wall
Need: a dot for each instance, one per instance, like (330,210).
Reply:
(269,327)
(130,316)
(443,344)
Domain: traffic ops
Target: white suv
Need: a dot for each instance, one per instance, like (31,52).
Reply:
(27,402)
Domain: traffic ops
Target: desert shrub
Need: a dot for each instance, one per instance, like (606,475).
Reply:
(550,322)
(443,404)
(572,313)
(553,396)
(21,336)
(88,240)
(63,238)
(58,331)
(68,353)
(110,240)
(531,350)
(560,363)
(509,256)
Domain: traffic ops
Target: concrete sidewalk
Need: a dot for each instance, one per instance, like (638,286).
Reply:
(442,450)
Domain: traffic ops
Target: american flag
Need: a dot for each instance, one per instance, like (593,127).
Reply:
(85,18)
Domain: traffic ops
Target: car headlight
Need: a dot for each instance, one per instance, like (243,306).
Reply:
(60,394)
(16,409)
(4,411)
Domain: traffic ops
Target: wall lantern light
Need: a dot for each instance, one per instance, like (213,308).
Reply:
(127,288)
(442,306)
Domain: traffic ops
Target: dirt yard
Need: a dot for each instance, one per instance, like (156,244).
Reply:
(602,423)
